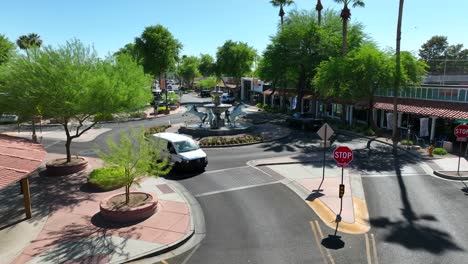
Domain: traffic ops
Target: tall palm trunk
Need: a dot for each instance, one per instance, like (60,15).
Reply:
(345,15)
(281,14)
(396,83)
(319,8)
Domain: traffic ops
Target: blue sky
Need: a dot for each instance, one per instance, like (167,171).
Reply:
(203,25)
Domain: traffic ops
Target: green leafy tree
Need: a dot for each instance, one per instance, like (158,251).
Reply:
(235,59)
(209,82)
(295,52)
(207,65)
(188,69)
(356,76)
(135,155)
(281,4)
(71,84)
(433,52)
(6,49)
(158,49)
(129,49)
(345,16)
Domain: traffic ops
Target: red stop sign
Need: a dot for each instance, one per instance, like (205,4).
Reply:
(343,155)
(461,131)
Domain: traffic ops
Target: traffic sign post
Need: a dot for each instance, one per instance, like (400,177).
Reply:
(343,156)
(461,132)
(325,132)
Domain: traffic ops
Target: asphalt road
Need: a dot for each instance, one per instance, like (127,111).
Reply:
(250,218)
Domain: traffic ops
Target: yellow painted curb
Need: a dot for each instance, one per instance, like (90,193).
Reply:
(361,216)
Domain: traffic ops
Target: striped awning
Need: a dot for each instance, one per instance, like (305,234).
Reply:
(425,110)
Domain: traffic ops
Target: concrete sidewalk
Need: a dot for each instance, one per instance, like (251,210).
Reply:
(67,227)
(303,175)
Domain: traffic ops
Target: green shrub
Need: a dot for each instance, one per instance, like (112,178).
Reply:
(108,178)
(259,105)
(439,151)
(103,117)
(138,114)
(156,129)
(407,142)
(266,107)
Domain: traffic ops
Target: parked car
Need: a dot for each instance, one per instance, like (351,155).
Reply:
(305,121)
(227,99)
(183,151)
(205,93)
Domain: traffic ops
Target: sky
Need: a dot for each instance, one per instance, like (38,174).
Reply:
(204,25)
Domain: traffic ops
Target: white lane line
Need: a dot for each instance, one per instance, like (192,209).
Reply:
(51,144)
(235,168)
(369,261)
(332,261)
(316,236)
(376,260)
(236,188)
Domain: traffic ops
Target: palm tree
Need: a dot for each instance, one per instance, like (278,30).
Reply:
(281,3)
(345,16)
(319,8)
(26,42)
(396,83)
(23,42)
(34,40)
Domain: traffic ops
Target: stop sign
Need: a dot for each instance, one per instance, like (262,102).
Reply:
(343,155)
(461,131)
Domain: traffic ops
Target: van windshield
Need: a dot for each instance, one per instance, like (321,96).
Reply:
(185,146)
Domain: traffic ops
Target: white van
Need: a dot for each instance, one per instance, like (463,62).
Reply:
(183,151)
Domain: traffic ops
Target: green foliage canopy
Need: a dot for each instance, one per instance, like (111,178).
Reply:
(188,69)
(206,66)
(6,49)
(235,59)
(158,49)
(70,83)
(136,156)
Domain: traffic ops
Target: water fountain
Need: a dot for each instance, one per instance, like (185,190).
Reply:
(213,121)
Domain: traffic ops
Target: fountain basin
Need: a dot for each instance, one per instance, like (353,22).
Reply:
(206,131)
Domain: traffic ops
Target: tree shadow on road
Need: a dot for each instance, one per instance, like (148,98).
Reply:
(412,232)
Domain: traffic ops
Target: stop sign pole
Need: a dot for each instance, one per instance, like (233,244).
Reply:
(343,156)
(461,132)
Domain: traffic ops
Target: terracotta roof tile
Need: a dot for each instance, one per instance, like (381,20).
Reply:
(18,158)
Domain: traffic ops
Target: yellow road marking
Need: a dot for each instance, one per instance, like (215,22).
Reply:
(376,260)
(369,261)
(326,249)
(312,226)
(164,262)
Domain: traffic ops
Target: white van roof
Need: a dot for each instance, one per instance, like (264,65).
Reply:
(173,137)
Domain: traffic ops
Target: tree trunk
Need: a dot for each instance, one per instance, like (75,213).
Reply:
(319,8)
(396,83)
(127,194)
(345,37)
(34,136)
(67,147)
(302,83)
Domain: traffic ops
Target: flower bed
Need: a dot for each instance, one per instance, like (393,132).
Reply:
(226,141)
(156,129)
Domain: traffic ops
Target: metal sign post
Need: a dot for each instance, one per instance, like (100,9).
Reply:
(461,132)
(325,132)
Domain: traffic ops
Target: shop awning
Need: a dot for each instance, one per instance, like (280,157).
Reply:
(425,110)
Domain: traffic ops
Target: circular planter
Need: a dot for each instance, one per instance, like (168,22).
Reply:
(59,167)
(128,214)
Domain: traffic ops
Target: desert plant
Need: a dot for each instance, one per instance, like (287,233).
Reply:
(107,178)
(136,157)
(156,129)
(439,151)
(407,142)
